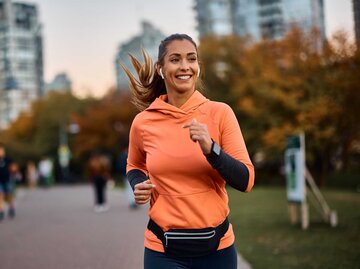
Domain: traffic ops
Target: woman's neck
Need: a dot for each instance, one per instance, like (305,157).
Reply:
(177,99)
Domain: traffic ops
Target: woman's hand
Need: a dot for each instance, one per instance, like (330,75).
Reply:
(199,133)
(142,192)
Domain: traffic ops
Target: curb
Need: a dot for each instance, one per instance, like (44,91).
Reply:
(242,263)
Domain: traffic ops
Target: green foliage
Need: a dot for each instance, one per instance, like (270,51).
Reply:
(105,126)
(278,88)
(36,133)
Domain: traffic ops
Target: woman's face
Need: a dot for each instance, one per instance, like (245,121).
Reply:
(181,66)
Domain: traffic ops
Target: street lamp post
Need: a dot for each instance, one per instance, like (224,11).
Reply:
(64,153)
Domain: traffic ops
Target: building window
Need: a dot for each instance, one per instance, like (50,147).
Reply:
(24,66)
(268,2)
(24,43)
(2,12)
(24,16)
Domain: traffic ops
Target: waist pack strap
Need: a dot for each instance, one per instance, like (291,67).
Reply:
(152,226)
(156,229)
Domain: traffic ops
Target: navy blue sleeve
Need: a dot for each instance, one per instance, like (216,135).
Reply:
(136,176)
(234,172)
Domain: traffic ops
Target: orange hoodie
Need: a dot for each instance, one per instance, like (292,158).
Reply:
(189,193)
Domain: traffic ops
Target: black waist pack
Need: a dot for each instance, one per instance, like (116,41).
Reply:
(190,242)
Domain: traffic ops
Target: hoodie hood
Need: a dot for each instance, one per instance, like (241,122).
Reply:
(160,105)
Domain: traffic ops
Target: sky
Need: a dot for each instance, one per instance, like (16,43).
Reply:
(81,37)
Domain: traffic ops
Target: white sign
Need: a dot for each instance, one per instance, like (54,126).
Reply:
(295,169)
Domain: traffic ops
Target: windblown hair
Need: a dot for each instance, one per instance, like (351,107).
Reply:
(149,85)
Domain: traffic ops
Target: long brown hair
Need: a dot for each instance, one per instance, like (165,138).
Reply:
(149,85)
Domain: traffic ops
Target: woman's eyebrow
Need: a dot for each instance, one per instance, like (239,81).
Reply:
(178,54)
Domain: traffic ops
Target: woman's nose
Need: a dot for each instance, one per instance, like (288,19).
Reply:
(184,65)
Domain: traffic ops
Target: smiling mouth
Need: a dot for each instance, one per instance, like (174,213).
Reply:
(184,77)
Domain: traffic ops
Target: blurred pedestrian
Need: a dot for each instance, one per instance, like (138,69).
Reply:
(32,175)
(7,183)
(98,170)
(46,168)
(15,173)
(183,150)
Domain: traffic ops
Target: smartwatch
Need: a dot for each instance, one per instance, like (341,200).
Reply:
(215,150)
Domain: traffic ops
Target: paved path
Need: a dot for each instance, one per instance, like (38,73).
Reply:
(56,228)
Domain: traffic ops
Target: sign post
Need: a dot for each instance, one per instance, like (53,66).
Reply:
(297,175)
(295,179)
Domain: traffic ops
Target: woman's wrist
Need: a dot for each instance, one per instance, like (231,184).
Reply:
(206,149)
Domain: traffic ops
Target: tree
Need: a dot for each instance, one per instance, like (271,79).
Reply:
(281,87)
(221,65)
(35,133)
(105,125)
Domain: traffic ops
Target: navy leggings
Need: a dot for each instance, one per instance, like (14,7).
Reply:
(100,188)
(224,259)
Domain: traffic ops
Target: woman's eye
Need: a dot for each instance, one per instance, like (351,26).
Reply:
(174,60)
(192,59)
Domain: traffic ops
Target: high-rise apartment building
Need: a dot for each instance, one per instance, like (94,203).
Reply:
(149,40)
(356,8)
(60,83)
(261,19)
(215,17)
(21,61)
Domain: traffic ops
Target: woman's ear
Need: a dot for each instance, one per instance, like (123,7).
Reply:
(198,74)
(161,73)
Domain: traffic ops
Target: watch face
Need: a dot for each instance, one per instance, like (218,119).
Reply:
(216,149)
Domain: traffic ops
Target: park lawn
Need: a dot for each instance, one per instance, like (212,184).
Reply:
(266,239)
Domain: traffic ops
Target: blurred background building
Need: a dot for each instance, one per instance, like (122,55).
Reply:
(356,8)
(61,83)
(21,60)
(149,39)
(261,19)
(215,17)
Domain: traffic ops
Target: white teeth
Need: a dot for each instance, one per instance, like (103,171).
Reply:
(183,77)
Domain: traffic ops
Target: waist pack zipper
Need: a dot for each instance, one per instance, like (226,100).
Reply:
(180,236)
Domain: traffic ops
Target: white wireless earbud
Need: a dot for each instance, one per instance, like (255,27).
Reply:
(161,73)
(198,74)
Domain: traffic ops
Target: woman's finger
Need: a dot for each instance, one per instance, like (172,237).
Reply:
(142,199)
(142,192)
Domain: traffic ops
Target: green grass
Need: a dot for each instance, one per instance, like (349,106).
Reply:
(266,239)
